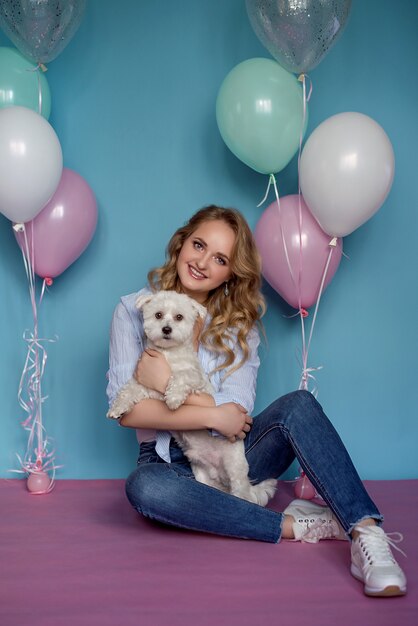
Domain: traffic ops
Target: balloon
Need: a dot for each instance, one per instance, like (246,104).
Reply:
(22,84)
(38,482)
(30,163)
(64,227)
(259,111)
(278,231)
(41,28)
(298,34)
(346,171)
(304,488)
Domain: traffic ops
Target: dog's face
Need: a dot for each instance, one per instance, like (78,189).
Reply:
(169,317)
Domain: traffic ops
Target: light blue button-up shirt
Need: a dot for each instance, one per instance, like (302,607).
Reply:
(127,342)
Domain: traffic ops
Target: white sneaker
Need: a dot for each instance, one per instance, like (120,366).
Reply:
(373,563)
(313,522)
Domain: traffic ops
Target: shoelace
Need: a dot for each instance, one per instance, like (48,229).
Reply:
(321,530)
(376,544)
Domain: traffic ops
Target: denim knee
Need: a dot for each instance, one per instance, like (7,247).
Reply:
(298,406)
(300,396)
(141,488)
(156,489)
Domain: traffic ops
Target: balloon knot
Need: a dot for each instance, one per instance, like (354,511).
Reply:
(301,77)
(304,313)
(43,67)
(48,281)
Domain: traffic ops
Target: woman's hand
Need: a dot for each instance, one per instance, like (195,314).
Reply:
(232,421)
(152,370)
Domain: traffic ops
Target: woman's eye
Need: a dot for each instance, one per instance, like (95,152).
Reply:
(179,317)
(158,315)
(197,245)
(220,260)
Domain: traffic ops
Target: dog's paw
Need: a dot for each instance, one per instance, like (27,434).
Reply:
(173,402)
(265,490)
(175,394)
(118,409)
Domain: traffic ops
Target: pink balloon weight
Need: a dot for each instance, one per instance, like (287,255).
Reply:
(38,482)
(304,488)
(64,227)
(294,230)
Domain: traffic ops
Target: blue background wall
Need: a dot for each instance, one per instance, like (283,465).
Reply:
(134,107)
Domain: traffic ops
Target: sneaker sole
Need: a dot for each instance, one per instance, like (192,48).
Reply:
(389,591)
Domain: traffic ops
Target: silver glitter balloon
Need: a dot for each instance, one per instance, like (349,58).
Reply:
(41,29)
(298,33)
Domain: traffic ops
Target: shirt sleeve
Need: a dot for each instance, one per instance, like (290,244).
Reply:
(240,386)
(125,348)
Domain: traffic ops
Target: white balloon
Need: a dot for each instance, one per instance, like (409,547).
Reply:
(30,163)
(346,171)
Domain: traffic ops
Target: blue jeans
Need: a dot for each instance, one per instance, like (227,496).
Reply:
(294,426)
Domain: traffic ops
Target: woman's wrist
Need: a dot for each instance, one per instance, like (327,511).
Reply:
(213,418)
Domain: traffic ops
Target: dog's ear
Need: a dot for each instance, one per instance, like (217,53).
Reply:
(200,309)
(146,297)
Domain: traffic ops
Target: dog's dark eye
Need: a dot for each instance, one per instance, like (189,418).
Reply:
(179,317)
(158,315)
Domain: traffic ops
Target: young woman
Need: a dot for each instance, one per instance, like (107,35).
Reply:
(213,259)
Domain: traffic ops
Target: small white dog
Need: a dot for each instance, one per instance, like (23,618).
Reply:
(169,320)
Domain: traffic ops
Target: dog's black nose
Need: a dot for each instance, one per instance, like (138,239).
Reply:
(166,330)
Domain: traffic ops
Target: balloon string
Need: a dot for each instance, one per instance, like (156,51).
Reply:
(286,252)
(272,183)
(39,68)
(271,178)
(38,369)
(305,99)
(304,102)
(307,372)
(37,457)
(39,91)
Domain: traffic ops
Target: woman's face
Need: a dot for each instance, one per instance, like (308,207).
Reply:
(204,261)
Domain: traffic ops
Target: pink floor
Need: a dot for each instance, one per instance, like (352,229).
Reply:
(81,556)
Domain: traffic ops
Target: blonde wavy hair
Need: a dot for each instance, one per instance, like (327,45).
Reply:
(232,315)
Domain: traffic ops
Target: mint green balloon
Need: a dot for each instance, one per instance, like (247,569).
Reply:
(21,84)
(259,111)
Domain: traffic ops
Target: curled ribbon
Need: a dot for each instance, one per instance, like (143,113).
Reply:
(38,457)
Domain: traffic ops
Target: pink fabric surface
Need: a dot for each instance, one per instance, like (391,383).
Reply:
(81,556)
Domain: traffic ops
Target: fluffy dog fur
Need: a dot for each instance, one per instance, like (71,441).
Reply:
(169,320)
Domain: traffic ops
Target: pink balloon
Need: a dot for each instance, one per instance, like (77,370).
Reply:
(278,232)
(304,488)
(38,482)
(64,227)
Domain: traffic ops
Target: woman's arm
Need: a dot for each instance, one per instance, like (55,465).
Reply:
(240,386)
(125,347)
(229,419)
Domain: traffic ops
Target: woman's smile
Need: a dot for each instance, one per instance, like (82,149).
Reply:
(196,273)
